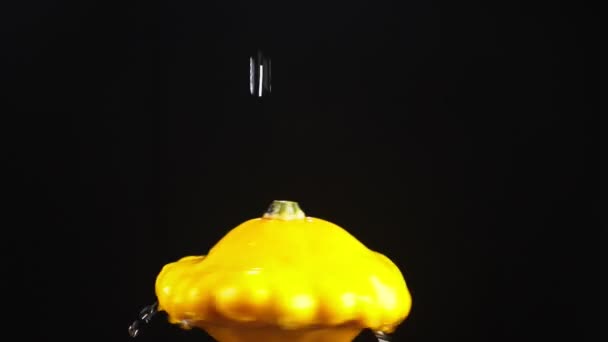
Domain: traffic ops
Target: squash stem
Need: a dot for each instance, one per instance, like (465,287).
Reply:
(284,210)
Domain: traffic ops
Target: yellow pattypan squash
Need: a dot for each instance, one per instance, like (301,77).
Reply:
(285,277)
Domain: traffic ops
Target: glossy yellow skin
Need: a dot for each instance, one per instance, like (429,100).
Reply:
(276,280)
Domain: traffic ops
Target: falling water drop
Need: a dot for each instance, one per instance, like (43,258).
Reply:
(144,317)
(259,74)
(382,337)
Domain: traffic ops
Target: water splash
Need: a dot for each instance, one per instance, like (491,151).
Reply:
(382,337)
(147,313)
(145,316)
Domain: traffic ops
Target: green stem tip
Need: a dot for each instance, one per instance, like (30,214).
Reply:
(284,210)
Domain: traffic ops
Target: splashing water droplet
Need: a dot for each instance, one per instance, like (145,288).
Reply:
(134,329)
(382,337)
(259,75)
(144,317)
(186,324)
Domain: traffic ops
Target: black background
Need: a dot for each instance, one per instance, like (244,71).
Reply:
(452,136)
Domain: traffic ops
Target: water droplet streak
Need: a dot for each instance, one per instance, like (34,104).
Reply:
(259,75)
(144,317)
